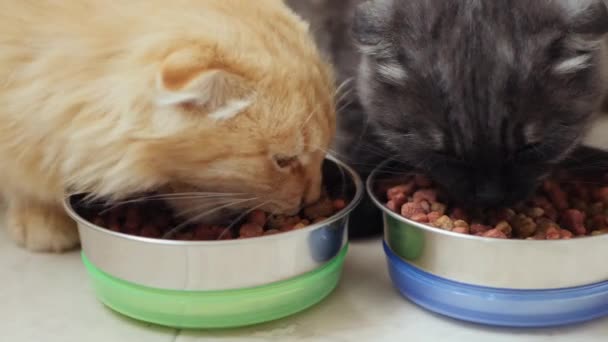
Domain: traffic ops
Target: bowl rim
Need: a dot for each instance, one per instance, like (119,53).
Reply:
(358,195)
(369,187)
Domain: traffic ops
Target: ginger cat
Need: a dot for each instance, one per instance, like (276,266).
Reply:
(117,98)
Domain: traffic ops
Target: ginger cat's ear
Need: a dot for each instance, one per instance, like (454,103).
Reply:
(189,79)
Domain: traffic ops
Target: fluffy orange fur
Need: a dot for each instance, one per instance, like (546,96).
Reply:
(118,98)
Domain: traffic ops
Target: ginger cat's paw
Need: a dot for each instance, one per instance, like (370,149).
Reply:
(41,228)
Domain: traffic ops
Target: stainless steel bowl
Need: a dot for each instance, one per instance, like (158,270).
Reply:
(223,265)
(511,264)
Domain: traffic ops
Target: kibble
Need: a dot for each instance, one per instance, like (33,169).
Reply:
(563,208)
(461,227)
(412,209)
(478,229)
(505,228)
(156,221)
(249,230)
(420,217)
(444,222)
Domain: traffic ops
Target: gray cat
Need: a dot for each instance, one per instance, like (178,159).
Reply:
(484,96)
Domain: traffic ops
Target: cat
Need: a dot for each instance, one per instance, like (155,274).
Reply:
(604,65)
(484,96)
(228,97)
(355,142)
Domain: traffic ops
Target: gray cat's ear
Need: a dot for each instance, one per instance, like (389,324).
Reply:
(586,17)
(371,26)
(587,22)
(186,80)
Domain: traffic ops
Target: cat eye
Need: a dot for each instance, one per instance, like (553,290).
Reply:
(283,161)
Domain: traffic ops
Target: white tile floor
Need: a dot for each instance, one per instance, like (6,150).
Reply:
(47,298)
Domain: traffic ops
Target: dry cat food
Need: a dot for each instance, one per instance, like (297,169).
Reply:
(562,208)
(154,219)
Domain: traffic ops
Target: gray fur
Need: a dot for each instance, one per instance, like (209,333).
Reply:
(485,96)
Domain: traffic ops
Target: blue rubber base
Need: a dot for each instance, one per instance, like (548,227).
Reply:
(498,307)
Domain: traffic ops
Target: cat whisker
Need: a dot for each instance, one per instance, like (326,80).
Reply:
(375,152)
(343,85)
(206,203)
(363,166)
(343,106)
(184,224)
(241,217)
(193,195)
(174,197)
(171,195)
(310,116)
(343,157)
(344,95)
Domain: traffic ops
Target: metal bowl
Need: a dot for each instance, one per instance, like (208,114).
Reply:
(496,263)
(222,265)
(220,284)
(513,283)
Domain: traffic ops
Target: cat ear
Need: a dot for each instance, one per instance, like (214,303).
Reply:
(587,23)
(586,17)
(371,25)
(187,80)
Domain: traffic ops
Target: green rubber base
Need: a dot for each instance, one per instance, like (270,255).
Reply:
(216,309)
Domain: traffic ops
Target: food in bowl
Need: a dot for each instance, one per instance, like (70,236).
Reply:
(155,219)
(564,207)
